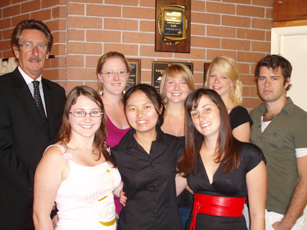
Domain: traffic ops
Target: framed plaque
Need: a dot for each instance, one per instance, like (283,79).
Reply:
(135,73)
(173,26)
(206,66)
(158,68)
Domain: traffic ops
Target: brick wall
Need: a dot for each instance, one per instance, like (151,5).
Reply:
(85,29)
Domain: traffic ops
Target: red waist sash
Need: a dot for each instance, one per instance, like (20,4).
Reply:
(216,206)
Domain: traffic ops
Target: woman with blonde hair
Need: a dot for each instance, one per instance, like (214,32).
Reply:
(176,84)
(223,77)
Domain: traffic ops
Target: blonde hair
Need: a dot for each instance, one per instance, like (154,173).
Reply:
(175,70)
(229,68)
(103,59)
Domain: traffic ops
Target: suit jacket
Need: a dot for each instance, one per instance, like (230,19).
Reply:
(23,139)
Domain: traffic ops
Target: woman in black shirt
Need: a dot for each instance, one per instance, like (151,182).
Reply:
(147,162)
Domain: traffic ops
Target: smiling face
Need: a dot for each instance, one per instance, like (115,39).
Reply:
(271,84)
(84,126)
(141,113)
(32,61)
(219,82)
(176,89)
(206,117)
(113,84)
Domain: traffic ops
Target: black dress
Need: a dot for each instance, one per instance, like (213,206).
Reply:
(238,116)
(149,182)
(232,184)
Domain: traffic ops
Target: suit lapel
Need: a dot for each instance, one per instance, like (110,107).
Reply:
(49,103)
(23,93)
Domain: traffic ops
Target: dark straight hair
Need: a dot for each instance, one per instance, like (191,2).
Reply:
(227,147)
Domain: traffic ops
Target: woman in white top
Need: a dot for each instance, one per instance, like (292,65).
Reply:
(78,172)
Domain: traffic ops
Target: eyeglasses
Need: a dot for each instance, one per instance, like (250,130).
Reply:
(30,46)
(119,73)
(95,113)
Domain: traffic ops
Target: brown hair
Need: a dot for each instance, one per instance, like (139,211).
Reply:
(227,148)
(174,70)
(102,60)
(274,62)
(32,25)
(152,95)
(64,135)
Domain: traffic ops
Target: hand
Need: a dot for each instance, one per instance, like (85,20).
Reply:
(122,198)
(279,226)
(55,219)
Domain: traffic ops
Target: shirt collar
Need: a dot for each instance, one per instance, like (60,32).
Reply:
(27,78)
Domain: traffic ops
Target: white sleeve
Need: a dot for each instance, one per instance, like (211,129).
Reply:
(300,152)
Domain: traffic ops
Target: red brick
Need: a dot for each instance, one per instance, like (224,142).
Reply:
(251,34)
(146,50)
(103,11)
(91,61)
(198,29)
(140,38)
(57,62)
(50,3)
(250,56)
(146,63)
(5,23)
(72,84)
(58,49)
(56,24)
(75,61)
(221,31)
(261,46)
(239,1)
(81,73)
(215,53)
(8,53)
(5,3)
(123,2)
(147,3)
(61,83)
(268,13)
(59,12)
(87,1)
(146,77)
(103,36)
(120,24)
(59,37)
(76,34)
(198,6)
(195,53)
(245,91)
(205,18)
(198,86)
(30,6)
(19,18)
(147,26)
(11,11)
(5,45)
(268,35)
(235,44)
(198,65)
(263,3)
(84,22)
(262,23)
(84,48)
(199,78)
(250,11)
(42,15)
(253,91)
(251,103)
(243,68)
(221,8)
(92,84)
(17,1)
(236,21)
(54,74)
(75,8)
(126,49)
(138,12)
(206,42)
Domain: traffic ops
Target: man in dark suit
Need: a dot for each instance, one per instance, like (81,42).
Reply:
(30,118)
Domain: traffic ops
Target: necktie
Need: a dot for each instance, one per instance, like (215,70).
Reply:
(38,100)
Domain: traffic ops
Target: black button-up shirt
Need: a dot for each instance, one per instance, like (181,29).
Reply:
(149,182)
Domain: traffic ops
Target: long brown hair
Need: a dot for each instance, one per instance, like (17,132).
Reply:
(64,135)
(227,149)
